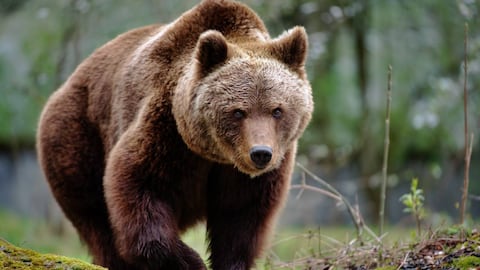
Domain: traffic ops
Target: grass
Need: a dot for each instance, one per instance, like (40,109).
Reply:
(38,235)
(324,247)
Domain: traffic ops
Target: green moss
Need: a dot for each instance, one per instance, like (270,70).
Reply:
(467,262)
(12,257)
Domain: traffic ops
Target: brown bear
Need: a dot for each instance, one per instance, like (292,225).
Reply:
(170,125)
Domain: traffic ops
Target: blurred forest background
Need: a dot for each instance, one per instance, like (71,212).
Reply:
(352,43)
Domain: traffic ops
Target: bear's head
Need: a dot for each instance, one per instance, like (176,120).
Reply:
(244,103)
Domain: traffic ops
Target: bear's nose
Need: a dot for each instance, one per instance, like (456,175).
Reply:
(261,156)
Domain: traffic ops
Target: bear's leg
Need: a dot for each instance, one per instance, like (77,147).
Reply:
(241,212)
(71,155)
(146,231)
(144,206)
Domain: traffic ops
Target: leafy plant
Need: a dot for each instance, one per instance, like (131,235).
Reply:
(413,203)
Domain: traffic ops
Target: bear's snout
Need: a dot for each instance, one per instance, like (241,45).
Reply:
(261,156)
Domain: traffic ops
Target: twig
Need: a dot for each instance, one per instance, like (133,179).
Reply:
(350,209)
(383,193)
(354,214)
(467,143)
(303,187)
(474,197)
(404,261)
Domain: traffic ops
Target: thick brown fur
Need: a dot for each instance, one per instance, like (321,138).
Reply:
(167,126)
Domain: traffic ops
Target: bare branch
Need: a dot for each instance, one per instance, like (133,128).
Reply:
(386,146)
(468,144)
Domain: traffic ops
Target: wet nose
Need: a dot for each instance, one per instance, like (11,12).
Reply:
(261,156)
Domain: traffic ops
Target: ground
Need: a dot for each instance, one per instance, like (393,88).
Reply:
(446,250)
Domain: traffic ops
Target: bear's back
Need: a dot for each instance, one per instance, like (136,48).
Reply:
(109,107)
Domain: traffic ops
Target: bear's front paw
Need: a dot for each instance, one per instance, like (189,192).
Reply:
(191,257)
(160,255)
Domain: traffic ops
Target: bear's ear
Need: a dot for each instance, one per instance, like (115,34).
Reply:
(211,51)
(291,48)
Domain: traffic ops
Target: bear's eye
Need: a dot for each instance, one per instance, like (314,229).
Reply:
(277,113)
(238,114)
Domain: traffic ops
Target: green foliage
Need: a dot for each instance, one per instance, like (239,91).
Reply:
(9,6)
(42,41)
(468,262)
(413,203)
